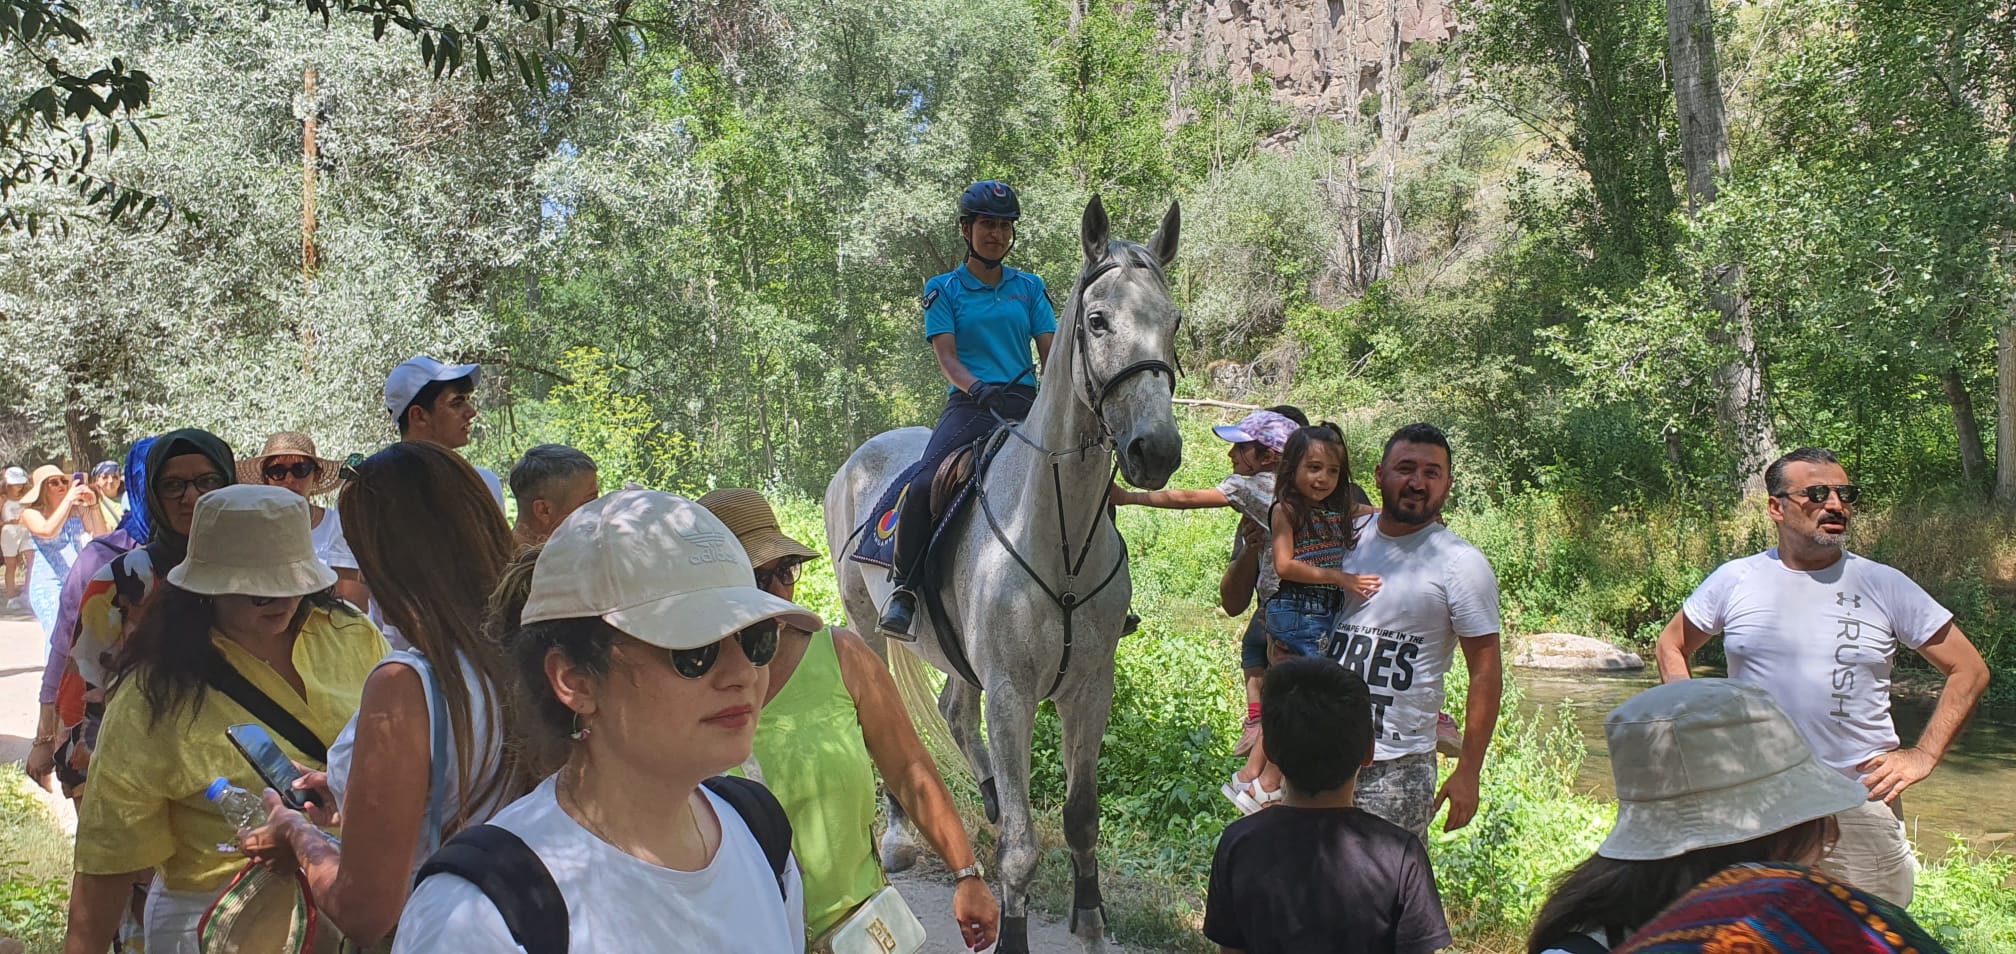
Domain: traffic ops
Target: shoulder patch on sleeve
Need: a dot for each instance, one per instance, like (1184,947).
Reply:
(930,296)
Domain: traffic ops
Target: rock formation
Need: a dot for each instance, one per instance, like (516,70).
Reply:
(1568,651)
(1305,48)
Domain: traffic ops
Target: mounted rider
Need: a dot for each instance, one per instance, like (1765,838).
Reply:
(980,319)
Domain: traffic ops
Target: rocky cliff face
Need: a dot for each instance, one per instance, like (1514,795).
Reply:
(1306,48)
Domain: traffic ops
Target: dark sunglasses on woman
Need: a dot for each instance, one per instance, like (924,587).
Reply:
(301,471)
(759,643)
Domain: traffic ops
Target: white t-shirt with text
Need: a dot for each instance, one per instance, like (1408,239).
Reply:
(1435,588)
(617,904)
(1822,643)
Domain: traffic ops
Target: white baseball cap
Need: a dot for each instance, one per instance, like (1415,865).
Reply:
(658,567)
(1702,763)
(16,475)
(406,380)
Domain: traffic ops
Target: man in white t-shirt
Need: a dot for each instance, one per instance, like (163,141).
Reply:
(1818,628)
(436,402)
(1437,593)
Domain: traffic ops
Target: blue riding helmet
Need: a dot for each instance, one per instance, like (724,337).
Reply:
(994,200)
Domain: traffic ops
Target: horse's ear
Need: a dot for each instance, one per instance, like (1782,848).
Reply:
(1163,242)
(1095,232)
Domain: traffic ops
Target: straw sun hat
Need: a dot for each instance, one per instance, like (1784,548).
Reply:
(751,520)
(35,481)
(251,540)
(290,444)
(1708,762)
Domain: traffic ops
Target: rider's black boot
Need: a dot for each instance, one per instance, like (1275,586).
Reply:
(897,616)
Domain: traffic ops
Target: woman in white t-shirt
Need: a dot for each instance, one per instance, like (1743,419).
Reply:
(641,652)
(1710,773)
(289,460)
(429,751)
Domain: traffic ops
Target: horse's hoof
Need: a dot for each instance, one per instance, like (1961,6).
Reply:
(990,802)
(1014,938)
(899,851)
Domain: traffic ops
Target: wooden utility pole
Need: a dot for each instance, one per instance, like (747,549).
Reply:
(309,161)
(1704,151)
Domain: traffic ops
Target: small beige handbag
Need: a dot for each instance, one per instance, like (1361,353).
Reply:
(882,924)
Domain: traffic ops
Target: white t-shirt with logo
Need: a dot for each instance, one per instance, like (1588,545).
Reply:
(1435,588)
(617,904)
(1821,643)
(1253,497)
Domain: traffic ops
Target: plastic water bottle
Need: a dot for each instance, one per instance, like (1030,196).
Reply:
(239,807)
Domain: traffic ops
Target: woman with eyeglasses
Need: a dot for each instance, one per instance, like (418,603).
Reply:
(641,648)
(242,631)
(426,528)
(181,467)
(832,719)
(289,460)
(61,514)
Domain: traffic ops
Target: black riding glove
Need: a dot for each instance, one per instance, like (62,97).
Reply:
(988,395)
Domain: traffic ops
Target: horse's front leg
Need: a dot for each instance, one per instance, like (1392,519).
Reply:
(1082,711)
(1011,720)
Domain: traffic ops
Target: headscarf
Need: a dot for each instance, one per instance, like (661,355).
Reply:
(135,522)
(1780,909)
(164,545)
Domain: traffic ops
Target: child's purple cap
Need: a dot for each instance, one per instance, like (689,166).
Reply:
(1266,427)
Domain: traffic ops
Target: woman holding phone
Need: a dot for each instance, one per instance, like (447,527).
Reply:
(248,610)
(61,515)
(640,651)
(427,533)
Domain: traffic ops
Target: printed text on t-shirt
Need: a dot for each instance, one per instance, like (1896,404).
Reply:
(1383,658)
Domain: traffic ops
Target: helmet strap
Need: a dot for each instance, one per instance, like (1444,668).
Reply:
(974,254)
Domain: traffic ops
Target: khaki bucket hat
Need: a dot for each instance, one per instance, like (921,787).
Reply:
(252,470)
(251,540)
(1707,762)
(751,520)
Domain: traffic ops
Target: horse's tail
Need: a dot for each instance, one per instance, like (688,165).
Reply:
(914,685)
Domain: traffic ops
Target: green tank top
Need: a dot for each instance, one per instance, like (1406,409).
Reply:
(814,759)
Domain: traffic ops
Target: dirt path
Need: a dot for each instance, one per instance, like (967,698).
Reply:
(927,889)
(22,653)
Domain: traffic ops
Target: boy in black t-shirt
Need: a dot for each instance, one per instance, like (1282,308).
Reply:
(1313,875)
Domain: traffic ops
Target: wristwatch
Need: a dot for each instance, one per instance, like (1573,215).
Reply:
(970,871)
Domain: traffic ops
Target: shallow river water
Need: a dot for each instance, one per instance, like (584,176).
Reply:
(1972,793)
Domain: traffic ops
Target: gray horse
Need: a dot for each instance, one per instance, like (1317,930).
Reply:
(1036,577)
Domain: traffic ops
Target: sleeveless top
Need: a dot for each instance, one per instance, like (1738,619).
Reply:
(814,758)
(1319,538)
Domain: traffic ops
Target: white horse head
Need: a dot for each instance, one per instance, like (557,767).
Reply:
(1119,350)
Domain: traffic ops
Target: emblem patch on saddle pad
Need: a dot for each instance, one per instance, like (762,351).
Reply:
(885,528)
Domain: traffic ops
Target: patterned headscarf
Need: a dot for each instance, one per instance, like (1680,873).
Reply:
(1780,909)
(135,522)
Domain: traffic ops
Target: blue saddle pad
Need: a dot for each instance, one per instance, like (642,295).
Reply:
(878,540)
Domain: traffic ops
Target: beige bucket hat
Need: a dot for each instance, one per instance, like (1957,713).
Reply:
(656,566)
(1707,762)
(251,540)
(749,517)
(252,470)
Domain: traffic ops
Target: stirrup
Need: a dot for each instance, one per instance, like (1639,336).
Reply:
(898,616)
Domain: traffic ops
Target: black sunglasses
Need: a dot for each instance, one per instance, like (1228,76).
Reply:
(759,643)
(174,487)
(300,471)
(787,574)
(1817,494)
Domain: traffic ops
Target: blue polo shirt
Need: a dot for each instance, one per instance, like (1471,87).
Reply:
(992,325)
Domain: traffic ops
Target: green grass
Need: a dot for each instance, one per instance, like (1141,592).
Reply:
(34,866)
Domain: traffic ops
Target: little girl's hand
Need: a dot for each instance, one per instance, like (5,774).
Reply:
(1362,584)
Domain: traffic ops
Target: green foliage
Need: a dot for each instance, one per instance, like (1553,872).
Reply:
(615,427)
(34,866)
(1964,900)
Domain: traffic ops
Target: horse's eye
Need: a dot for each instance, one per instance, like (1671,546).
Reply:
(1098,322)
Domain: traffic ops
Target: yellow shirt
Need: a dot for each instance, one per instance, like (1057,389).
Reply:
(145,807)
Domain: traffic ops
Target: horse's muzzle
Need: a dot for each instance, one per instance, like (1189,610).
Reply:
(1147,459)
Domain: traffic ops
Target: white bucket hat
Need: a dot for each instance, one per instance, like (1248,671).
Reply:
(658,567)
(1702,763)
(251,540)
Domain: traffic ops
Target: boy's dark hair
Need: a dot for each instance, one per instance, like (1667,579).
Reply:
(1774,475)
(1317,719)
(1290,497)
(1419,434)
(1292,413)
(431,393)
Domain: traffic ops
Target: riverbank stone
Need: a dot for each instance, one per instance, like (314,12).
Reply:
(1571,652)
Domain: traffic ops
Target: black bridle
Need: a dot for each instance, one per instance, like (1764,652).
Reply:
(1097,393)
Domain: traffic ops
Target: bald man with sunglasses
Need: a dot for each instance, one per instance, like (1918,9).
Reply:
(1818,628)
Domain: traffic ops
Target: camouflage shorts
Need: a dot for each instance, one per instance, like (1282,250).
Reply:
(1401,791)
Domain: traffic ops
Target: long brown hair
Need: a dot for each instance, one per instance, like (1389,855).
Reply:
(170,655)
(1618,897)
(543,720)
(432,543)
(1291,498)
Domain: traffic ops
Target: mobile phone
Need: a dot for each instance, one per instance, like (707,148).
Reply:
(273,765)
(77,477)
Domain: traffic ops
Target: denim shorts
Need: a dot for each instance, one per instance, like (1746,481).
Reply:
(1300,621)
(1253,645)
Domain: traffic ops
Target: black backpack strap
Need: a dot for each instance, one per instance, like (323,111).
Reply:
(511,875)
(233,684)
(765,817)
(1580,944)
